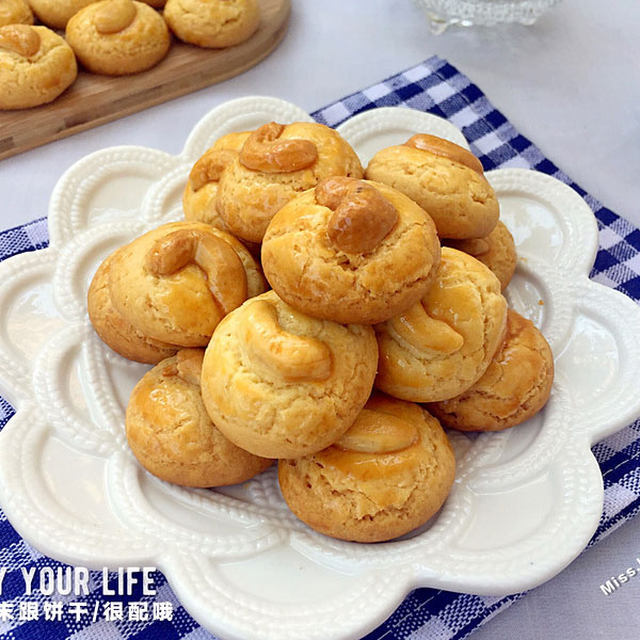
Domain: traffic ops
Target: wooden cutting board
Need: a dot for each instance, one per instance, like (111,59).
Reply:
(94,100)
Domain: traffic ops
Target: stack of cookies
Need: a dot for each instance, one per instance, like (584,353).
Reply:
(384,320)
(109,37)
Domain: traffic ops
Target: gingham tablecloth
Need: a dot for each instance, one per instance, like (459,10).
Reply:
(437,87)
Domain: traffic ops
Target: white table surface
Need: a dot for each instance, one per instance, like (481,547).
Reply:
(571,83)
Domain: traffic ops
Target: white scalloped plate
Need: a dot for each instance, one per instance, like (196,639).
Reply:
(525,501)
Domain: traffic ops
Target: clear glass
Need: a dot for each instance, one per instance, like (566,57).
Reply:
(465,13)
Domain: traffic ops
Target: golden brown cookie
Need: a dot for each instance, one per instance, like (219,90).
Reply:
(201,191)
(351,251)
(440,346)
(388,474)
(118,37)
(36,66)
(171,434)
(497,251)
(56,13)
(15,12)
(514,388)
(446,180)
(114,330)
(281,384)
(176,282)
(276,163)
(213,23)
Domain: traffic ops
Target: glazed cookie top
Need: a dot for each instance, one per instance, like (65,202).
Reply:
(275,164)
(281,384)
(443,178)
(171,434)
(444,343)
(176,282)
(214,23)
(201,191)
(15,12)
(36,66)
(118,37)
(56,13)
(114,330)
(351,251)
(388,474)
(514,388)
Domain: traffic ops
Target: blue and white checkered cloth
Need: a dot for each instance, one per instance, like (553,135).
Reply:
(437,87)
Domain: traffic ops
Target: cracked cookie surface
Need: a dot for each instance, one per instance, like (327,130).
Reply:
(178,306)
(375,484)
(248,198)
(459,199)
(281,384)
(171,434)
(311,273)
(445,342)
(213,23)
(515,386)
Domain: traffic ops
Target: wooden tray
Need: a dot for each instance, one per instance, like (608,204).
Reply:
(94,100)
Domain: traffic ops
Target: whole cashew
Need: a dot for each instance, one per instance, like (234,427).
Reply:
(263,151)
(20,38)
(114,16)
(292,357)
(425,333)
(376,432)
(210,166)
(226,277)
(445,149)
(362,217)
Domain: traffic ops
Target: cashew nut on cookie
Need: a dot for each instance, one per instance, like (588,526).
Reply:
(265,151)
(293,357)
(361,218)
(445,149)
(226,277)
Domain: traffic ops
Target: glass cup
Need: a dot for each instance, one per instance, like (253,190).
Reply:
(465,13)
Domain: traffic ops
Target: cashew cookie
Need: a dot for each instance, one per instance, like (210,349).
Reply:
(176,282)
(443,344)
(118,37)
(513,389)
(214,23)
(497,251)
(281,384)
(36,66)
(275,164)
(15,12)
(446,180)
(171,434)
(56,13)
(351,251)
(388,474)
